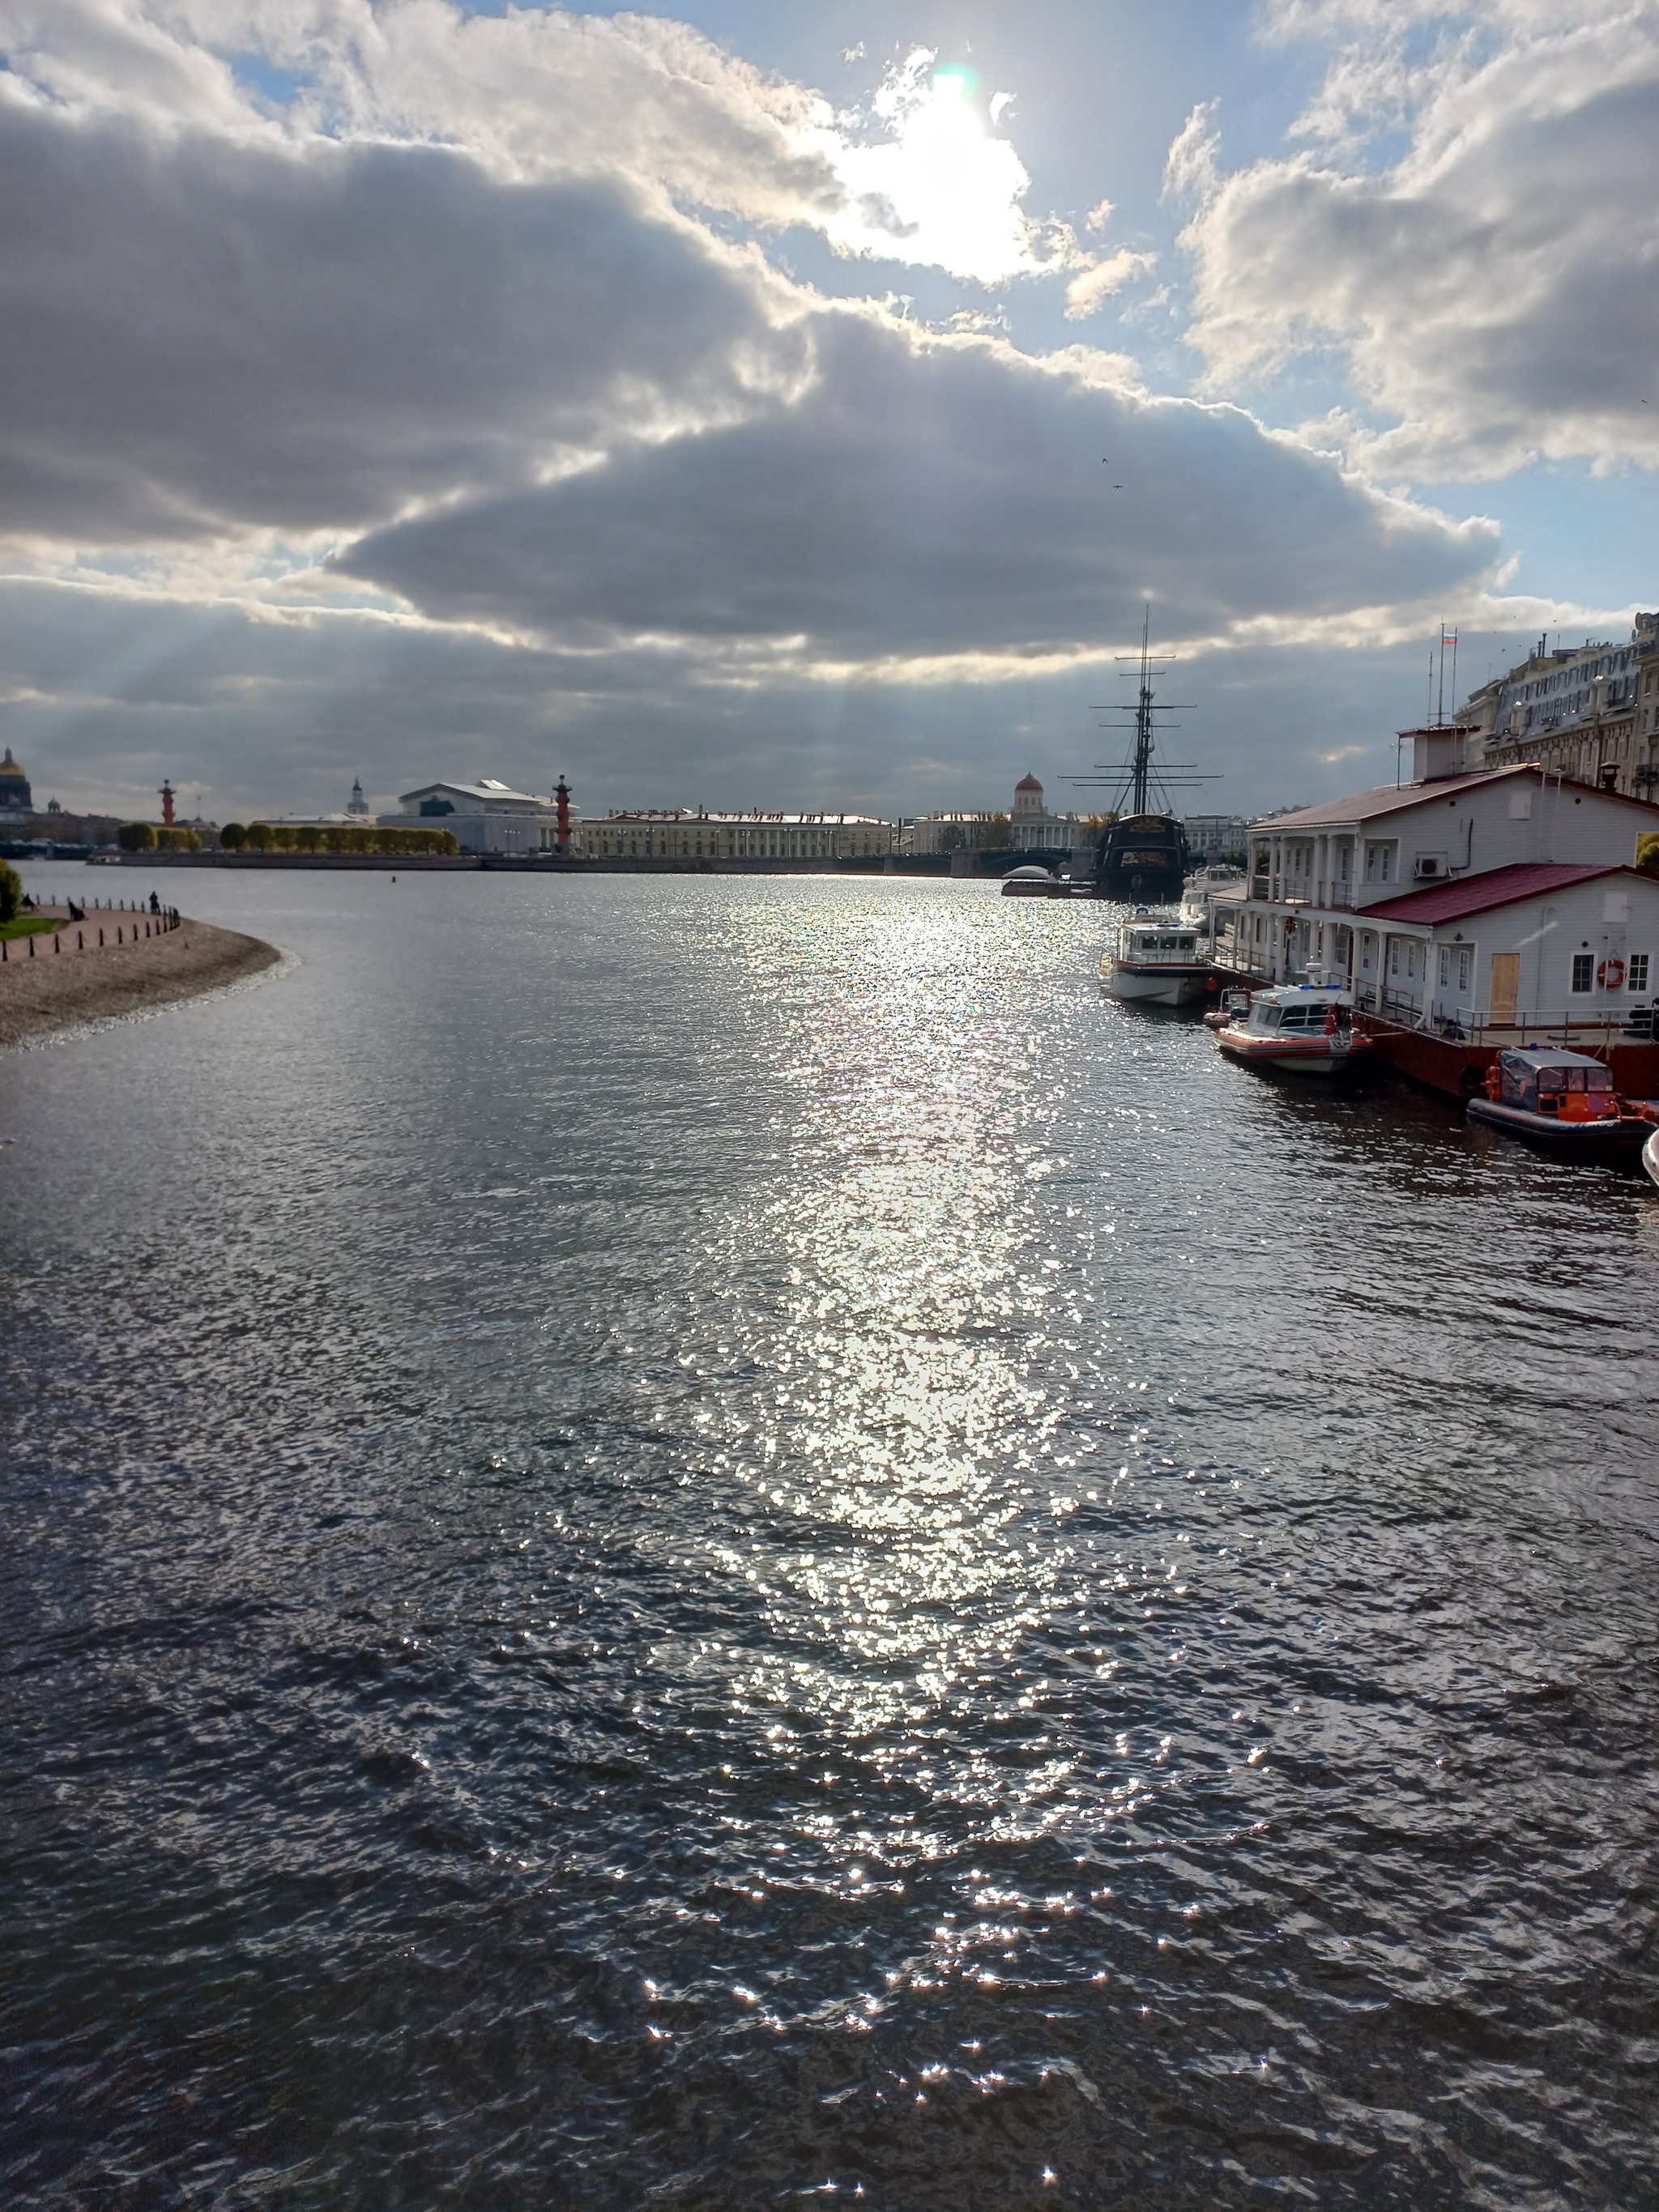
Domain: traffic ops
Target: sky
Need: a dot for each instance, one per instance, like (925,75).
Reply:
(798,407)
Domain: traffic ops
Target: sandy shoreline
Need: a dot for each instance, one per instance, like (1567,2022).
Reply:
(58,991)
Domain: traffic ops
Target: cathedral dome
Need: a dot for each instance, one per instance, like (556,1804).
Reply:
(14,793)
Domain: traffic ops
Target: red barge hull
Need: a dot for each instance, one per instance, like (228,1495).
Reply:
(1459,1070)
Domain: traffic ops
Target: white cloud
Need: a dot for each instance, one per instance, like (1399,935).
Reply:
(918,175)
(1492,291)
(1191,169)
(1088,292)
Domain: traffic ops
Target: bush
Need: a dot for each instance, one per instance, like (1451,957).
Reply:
(233,837)
(11,891)
(136,837)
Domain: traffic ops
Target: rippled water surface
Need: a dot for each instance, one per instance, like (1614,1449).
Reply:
(706,1542)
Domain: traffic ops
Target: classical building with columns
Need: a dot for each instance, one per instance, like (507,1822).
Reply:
(1033,829)
(678,835)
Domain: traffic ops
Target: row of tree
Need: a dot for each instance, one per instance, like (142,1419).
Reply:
(332,837)
(145,837)
(287,837)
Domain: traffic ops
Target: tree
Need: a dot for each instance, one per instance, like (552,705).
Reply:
(136,837)
(179,839)
(11,891)
(233,837)
(259,836)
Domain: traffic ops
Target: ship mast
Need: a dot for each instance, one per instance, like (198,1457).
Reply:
(1137,782)
(1142,755)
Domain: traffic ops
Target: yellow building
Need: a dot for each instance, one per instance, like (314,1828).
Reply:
(679,834)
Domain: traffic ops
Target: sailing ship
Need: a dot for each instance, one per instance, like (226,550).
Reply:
(1141,857)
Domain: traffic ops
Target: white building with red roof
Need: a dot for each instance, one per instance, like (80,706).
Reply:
(1368,890)
(1536,948)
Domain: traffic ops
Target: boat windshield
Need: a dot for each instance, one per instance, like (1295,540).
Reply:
(1575,1079)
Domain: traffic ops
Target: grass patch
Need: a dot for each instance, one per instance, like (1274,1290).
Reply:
(30,925)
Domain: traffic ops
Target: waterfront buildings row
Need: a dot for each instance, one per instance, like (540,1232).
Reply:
(1473,900)
(686,833)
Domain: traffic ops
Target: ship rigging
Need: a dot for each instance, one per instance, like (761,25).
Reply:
(1142,850)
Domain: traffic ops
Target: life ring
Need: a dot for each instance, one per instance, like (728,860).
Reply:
(1611,975)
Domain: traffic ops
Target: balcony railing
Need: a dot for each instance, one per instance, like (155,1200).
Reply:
(1577,1029)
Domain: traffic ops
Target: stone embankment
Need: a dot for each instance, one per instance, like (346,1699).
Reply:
(71,978)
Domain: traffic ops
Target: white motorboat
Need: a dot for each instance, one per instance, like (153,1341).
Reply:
(1202,891)
(1305,1028)
(1157,962)
(1650,1156)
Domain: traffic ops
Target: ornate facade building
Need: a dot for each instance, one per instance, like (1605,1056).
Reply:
(1590,712)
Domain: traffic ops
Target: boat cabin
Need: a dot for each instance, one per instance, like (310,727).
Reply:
(1153,940)
(1300,1009)
(1544,1080)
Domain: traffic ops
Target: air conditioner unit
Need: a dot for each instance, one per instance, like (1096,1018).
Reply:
(1430,867)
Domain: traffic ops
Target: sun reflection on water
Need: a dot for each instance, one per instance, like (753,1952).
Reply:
(908,1466)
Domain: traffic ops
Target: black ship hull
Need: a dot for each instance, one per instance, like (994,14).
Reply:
(1142,861)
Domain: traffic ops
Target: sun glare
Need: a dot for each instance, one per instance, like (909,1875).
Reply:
(941,188)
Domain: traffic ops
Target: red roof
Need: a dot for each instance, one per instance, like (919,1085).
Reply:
(1337,813)
(1497,887)
(1028,782)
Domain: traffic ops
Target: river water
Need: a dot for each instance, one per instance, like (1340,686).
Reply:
(713,1542)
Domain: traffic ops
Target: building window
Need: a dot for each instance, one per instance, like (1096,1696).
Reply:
(1636,975)
(1584,972)
(1445,967)
(1465,968)
(1379,864)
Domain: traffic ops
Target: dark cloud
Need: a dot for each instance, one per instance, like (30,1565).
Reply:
(928,498)
(201,334)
